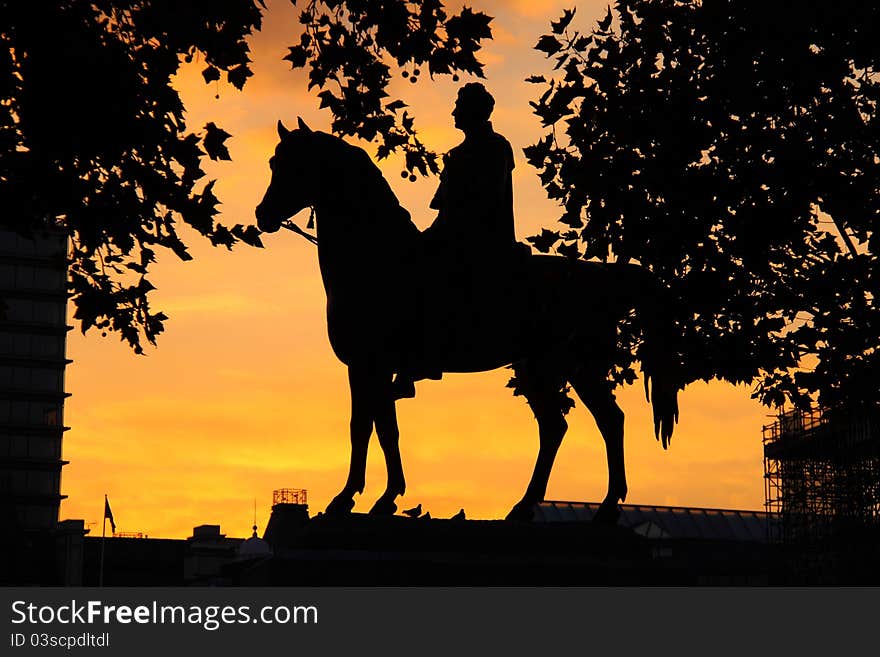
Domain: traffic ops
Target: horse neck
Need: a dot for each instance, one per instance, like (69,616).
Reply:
(362,230)
(359,212)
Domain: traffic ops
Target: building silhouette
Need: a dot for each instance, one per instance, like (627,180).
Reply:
(33,330)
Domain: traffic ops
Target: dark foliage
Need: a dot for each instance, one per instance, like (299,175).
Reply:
(733,149)
(93,139)
(350,47)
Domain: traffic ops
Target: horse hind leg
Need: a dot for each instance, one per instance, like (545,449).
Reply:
(595,393)
(547,406)
(389,435)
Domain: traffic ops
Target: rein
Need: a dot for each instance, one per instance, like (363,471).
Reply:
(292,227)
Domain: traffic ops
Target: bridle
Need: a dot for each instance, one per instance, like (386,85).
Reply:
(292,227)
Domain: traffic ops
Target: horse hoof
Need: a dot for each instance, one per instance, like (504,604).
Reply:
(521,513)
(383,508)
(607,514)
(340,506)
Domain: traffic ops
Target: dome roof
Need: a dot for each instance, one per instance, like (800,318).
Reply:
(254,547)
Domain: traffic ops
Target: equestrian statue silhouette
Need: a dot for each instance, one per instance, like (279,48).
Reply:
(398,304)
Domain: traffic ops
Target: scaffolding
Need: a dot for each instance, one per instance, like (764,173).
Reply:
(822,478)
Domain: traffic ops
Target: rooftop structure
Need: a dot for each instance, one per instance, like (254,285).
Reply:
(290,496)
(675,522)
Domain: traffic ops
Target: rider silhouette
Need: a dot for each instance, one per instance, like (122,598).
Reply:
(473,233)
(475,195)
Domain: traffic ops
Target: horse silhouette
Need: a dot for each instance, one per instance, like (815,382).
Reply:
(553,318)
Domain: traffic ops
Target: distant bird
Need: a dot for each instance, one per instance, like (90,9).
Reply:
(427,516)
(459,515)
(414,512)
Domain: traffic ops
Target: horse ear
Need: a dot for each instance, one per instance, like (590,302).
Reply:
(302,125)
(282,131)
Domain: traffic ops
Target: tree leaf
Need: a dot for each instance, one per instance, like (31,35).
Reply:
(213,142)
(605,23)
(297,56)
(548,44)
(211,73)
(559,26)
(238,76)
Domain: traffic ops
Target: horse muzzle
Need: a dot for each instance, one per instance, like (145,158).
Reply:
(267,221)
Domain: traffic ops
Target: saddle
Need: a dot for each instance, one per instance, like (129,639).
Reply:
(456,301)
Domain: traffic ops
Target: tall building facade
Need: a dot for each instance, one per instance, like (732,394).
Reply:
(33,330)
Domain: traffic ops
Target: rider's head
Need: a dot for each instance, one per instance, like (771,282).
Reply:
(473,107)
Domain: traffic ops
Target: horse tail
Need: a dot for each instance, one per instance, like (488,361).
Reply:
(658,352)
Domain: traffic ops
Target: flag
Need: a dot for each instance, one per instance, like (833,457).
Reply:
(108,514)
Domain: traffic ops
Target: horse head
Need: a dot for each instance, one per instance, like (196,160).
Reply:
(293,185)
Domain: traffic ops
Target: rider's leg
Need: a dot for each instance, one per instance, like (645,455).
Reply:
(417,348)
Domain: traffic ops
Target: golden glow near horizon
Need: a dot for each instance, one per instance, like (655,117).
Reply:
(243,394)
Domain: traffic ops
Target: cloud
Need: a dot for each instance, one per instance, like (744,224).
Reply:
(223,304)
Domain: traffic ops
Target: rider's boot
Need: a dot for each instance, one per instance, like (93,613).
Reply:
(403,386)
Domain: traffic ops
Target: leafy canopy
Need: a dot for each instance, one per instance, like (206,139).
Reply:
(734,152)
(93,139)
(350,48)
(93,136)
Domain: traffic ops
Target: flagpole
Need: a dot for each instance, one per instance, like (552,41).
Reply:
(103,536)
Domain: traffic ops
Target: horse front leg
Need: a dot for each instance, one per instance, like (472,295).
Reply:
(389,438)
(600,401)
(551,430)
(361,429)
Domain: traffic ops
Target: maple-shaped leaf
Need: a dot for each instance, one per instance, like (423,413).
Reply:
(297,56)
(569,251)
(213,142)
(545,241)
(548,44)
(582,42)
(328,99)
(145,286)
(211,74)
(238,75)
(536,154)
(221,236)
(559,26)
(395,105)
(469,25)
(248,234)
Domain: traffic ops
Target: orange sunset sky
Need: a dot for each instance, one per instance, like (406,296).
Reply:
(243,394)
